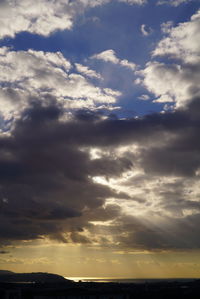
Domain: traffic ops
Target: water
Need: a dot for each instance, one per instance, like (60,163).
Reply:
(126,280)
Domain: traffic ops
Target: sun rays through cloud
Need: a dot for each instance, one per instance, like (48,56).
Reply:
(99,137)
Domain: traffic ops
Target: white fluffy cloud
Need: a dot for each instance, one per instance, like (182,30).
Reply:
(28,74)
(110,56)
(172,83)
(178,79)
(46,16)
(40,16)
(86,71)
(167,26)
(43,16)
(173,2)
(134,1)
(183,41)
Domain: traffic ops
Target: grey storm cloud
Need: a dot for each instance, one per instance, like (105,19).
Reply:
(45,172)
(45,176)
(171,234)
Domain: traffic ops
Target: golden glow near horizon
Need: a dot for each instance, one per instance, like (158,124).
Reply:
(78,261)
(99,137)
(110,259)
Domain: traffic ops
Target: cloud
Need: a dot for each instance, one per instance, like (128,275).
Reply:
(52,186)
(43,17)
(170,234)
(29,74)
(146,31)
(4,252)
(175,83)
(166,27)
(87,72)
(110,56)
(182,41)
(168,185)
(26,261)
(174,2)
(176,80)
(47,178)
(71,173)
(144,97)
(134,1)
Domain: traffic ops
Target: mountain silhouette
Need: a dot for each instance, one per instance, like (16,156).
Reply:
(37,277)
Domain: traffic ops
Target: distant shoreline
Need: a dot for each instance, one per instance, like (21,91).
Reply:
(127,280)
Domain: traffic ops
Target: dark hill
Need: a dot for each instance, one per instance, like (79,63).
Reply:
(5,272)
(7,276)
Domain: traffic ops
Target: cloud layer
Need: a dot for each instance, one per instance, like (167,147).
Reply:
(177,80)
(44,17)
(72,173)
(49,185)
(29,74)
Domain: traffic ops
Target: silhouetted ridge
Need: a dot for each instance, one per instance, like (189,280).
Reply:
(7,276)
(6,272)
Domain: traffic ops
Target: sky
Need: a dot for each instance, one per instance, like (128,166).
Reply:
(99,137)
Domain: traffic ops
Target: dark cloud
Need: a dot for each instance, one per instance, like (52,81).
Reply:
(179,154)
(4,252)
(170,161)
(170,234)
(46,174)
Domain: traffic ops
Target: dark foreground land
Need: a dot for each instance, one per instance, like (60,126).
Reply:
(48,286)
